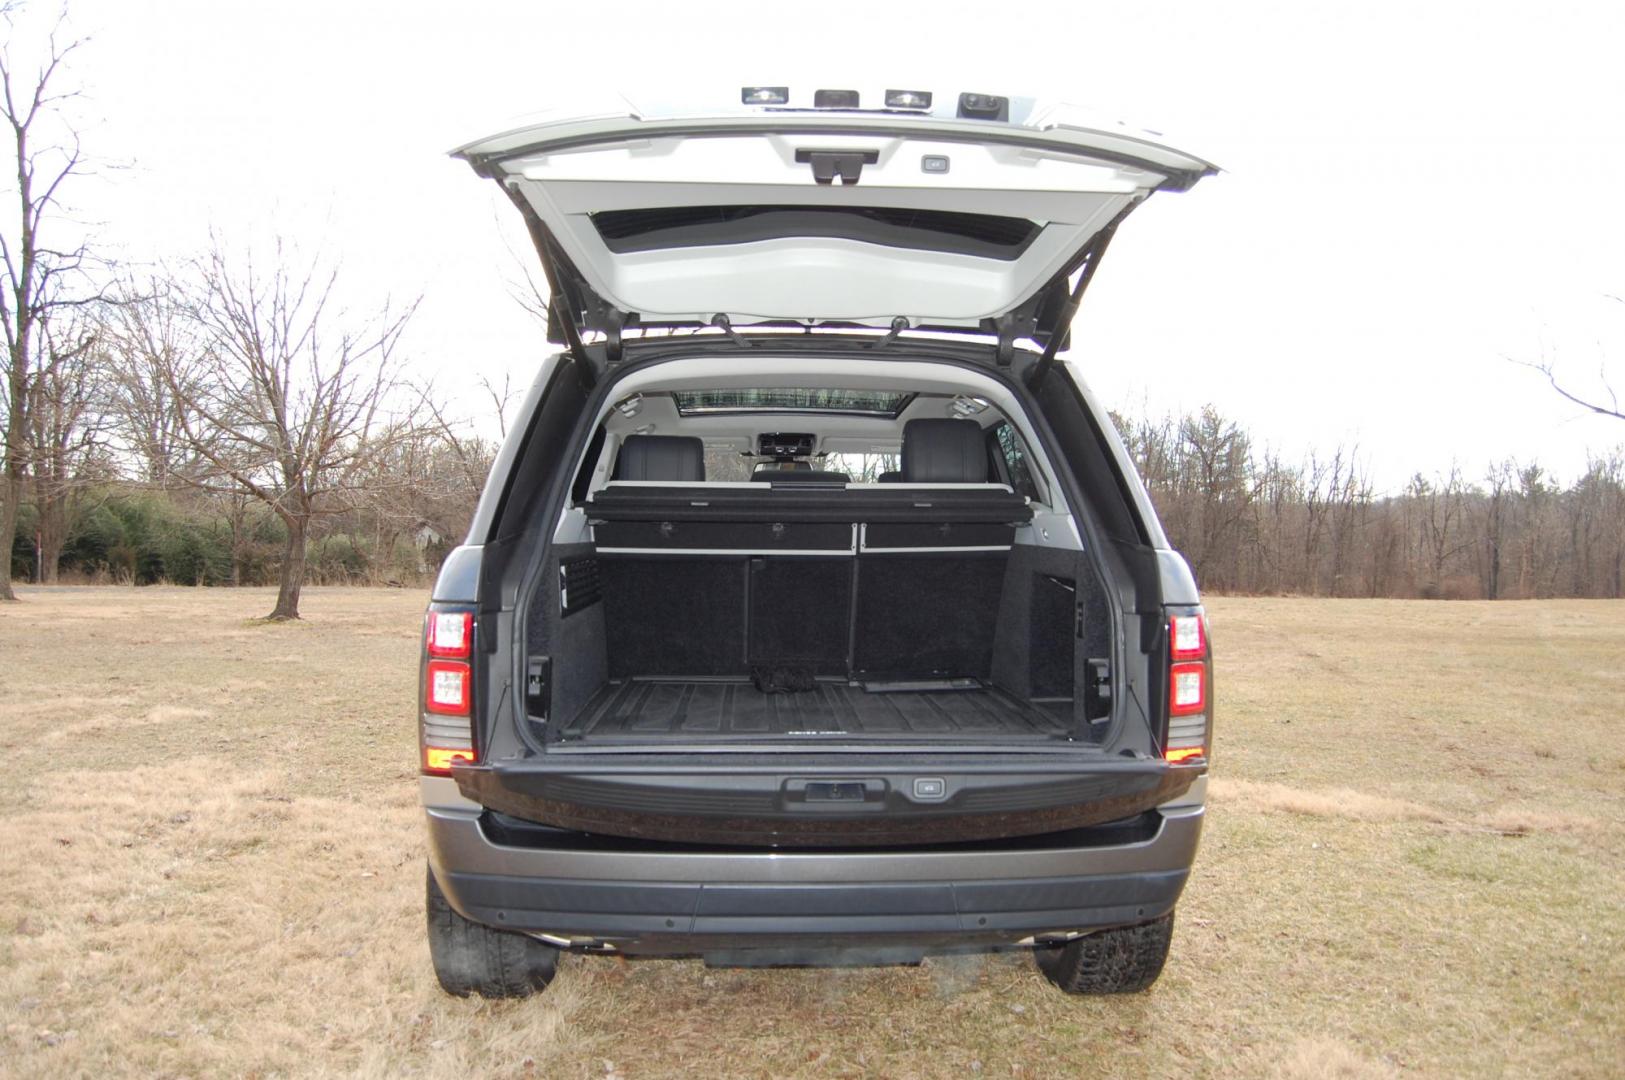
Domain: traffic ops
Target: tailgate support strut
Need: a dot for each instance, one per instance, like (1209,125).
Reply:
(1088,262)
(563,289)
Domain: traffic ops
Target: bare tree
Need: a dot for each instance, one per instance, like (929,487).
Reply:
(1604,400)
(66,417)
(40,273)
(296,399)
(1499,478)
(1350,515)
(1219,481)
(150,341)
(428,489)
(1440,508)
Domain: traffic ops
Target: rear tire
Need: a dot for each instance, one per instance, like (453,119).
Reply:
(470,958)
(1122,960)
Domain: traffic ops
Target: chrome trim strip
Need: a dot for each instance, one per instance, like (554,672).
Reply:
(913,550)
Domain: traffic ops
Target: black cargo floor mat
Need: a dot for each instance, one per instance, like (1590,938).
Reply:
(641,710)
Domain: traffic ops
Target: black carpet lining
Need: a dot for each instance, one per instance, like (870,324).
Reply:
(644,709)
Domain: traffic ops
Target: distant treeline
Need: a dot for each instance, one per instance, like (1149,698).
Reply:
(1250,521)
(125,520)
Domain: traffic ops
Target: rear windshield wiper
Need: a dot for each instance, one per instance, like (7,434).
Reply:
(898,325)
(725,324)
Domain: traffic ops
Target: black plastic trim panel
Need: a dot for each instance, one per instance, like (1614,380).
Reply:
(509,831)
(988,236)
(678,917)
(771,807)
(581,584)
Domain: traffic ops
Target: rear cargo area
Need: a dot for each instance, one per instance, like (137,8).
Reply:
(661,710)
(835,632)
(804,609)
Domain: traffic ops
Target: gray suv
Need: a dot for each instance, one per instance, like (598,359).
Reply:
(813,612)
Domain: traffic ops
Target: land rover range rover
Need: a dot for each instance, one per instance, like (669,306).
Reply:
(813,611)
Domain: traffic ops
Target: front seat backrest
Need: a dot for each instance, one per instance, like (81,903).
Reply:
(661,457)
(944,452)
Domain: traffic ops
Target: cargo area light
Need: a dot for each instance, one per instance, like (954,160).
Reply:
(908,99)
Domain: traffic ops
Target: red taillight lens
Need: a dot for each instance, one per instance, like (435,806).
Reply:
(446,725)
(1187,637)
(445,688)
(1185,737)
(450,634)
(1187,689)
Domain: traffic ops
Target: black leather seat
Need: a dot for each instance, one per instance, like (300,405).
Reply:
(661,457)
(944,452)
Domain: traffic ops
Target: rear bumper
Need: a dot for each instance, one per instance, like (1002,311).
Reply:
(682,902)
(776,806)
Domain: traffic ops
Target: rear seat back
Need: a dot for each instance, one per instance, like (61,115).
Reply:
(944,451)
(679,458)
(890,580)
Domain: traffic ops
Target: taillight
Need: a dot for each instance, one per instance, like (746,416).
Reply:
(1190,708)
(438,759)
(1187,637)
(446,698)
(450,633)
(1187,689)
(446,691)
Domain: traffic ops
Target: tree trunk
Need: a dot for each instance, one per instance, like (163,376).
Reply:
(51,537)
(8,531)
(49,553)
(293,571)
(235,517)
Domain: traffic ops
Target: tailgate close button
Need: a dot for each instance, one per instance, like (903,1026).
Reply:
(929,787)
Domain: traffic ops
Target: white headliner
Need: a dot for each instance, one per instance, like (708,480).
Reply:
(658,414)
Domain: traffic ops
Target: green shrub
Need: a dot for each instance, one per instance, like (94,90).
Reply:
(337,560)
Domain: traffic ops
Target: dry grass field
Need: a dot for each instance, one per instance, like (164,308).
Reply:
(212,866)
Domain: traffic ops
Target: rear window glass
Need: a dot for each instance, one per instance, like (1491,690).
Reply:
(989,236)
(1009,449)
(864,468)
(886,403)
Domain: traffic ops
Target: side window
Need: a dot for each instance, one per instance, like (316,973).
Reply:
(726,463)
(1009,451)
(583,480)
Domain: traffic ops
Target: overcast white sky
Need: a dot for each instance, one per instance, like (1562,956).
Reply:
(1413,192)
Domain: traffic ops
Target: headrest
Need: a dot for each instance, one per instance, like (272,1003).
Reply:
(944,452)
(889,478)
(661,457)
